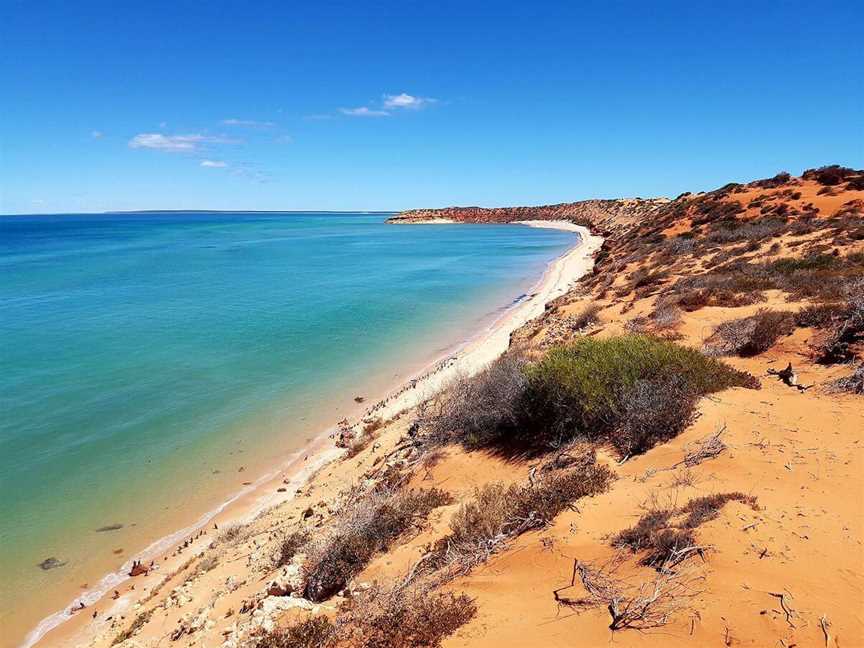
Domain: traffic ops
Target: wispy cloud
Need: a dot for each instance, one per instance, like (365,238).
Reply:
(214,164)
(363,111)
(251,123)
(96,134)
(176,143)
(284,139)
(404,100)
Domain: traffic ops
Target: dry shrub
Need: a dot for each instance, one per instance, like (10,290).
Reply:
(820,316)
(476,410)
(366,526)
(752,335)
(586,317)
(404,616)
(666,316)
(770,183)
(846,329)
(852,384)
(830,175)
(639,606)
(291,545)
(667,536)
(314,632)
(654,411)
(499,513)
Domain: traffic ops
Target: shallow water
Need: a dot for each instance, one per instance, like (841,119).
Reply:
(152,363)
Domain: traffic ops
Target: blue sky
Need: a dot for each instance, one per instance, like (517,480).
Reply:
(392,105)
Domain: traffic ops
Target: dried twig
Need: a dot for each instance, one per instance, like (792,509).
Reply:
(650,604)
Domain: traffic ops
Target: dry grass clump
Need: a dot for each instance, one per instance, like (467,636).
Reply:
(667,536)
(366,526)
(749,336)
(499,513)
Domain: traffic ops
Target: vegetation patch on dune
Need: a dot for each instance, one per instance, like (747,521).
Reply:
(667,536)
(750,336)
(366,526)
(632,390)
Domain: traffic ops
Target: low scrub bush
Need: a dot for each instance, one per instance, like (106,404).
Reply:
(291,546)
(314,632)
(499,513)
(845,327)
(662,535)
(478,410)
(404,617)
(749,336)
(589,389)
(632,390)
(830,175)
(585,317)
(368,525)
(819,316)
(852,384)
(653,411)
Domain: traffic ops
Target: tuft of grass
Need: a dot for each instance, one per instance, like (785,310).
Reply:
(750,336)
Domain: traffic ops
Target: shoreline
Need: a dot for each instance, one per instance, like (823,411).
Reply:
(282,483)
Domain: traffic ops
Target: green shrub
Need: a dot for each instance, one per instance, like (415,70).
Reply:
(583,389)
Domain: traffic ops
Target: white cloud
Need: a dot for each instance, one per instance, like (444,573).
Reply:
(363,111)
(214,164)
(176,143)
(248,122)
(406,101)
(284,139)
(97,134)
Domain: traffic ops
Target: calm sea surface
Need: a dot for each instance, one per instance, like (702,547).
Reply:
(147,360)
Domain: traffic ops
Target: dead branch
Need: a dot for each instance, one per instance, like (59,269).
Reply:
(650,604)
(787,609)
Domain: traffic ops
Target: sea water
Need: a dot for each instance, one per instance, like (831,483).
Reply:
(151,364)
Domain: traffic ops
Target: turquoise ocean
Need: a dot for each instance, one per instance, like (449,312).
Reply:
(152,363)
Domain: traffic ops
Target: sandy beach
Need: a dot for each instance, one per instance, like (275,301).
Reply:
(281,485)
